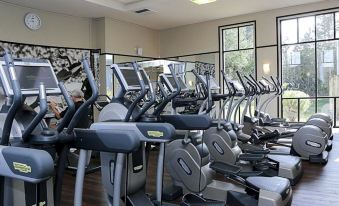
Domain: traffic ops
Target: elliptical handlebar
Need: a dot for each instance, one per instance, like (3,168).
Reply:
(209,94)
(142,94)
(76,118)
(17,99)
(277,89)
(207,89)
(37,119)
(270,83)
(261,90)
(229,84)
(152,97)
(243,83)
(70,108)
(168,98)
(253,87)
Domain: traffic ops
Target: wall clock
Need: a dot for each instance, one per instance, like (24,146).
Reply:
(32,21)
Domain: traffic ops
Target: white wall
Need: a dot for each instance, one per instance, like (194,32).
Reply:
(124,38)
(57,29)
(203,37)
(111,36)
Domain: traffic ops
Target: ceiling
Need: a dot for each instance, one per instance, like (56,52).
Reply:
(163,13)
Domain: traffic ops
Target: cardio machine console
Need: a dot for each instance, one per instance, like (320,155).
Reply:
(30,73)
(128,77)
(213,82)
(168,80)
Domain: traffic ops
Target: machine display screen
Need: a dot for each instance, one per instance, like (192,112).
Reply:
(131,77)
(181,82)
(213,82)
(30,77)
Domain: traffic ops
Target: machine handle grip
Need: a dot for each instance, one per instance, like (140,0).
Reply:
(76,118)
(168,98)
(70,108)
(17,99)
(151,100)
(142,94)
(39,117)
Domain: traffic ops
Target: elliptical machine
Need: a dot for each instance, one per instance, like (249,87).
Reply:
(308,142)
(321,120)
(29,129)
(22,166)
(190,171)
(222,143)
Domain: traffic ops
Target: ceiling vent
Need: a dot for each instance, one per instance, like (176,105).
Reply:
(143,11)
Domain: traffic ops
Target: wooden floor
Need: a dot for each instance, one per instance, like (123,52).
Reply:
(318,187)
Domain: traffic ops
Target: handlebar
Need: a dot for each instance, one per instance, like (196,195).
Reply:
(17,99)
(150,102)
(37,119)
(76,118)
(70,108)
(142,94)
(168,98)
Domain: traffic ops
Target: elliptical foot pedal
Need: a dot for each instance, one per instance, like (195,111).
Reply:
(250,174)
(196,200)
(224,168)
(321,158)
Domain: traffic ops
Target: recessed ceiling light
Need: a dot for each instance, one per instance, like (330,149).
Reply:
(202,1)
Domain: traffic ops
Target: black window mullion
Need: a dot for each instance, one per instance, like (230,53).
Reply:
(238,38)
(316,75)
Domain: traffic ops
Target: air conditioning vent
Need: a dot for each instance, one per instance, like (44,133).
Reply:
(142,11)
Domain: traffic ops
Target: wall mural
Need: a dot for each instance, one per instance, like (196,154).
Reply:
(202,67)
(66,62)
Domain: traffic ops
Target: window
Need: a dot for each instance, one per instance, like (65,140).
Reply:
(238,49)
(309,64)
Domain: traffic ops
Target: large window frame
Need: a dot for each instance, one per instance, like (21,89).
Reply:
(223,51)
(316,97)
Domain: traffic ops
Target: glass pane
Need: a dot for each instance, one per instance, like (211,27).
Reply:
(307,108)
(230,39)
(290,109)
(306,29)
(298,69)
(242,61)
(289,31)
(246,37)
(325,26)
(109,81)
(109,59)
(337,24)
(328,71)
(326,105)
